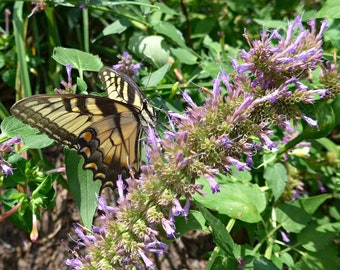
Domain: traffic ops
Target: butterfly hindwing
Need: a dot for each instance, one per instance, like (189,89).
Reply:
(110,147)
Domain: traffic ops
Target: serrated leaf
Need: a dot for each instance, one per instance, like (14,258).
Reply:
(78,59)
(81,183)
(240,201)
(277,177)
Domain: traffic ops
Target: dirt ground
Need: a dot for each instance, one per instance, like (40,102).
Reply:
(57,240)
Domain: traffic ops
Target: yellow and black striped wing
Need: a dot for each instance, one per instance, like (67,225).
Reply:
(122,88)
(105,132)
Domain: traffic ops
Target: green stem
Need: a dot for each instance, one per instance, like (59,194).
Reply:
(230,224)
(86,29)
(23,81)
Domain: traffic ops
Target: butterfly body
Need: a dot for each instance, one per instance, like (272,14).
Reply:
(106,131)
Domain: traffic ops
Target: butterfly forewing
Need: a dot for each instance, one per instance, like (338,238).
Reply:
(122,88)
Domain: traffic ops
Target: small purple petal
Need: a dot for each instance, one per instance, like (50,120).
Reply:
(148,263)
(241,166)
(74,263)
(168,227)
(310,121)
(11,141)
(321,187)
(323,28)
(176,208)
(284,236)
(186,207)
(5,169)
(188,100)
(121,187)
(214,186)
(267,142)
(68,70)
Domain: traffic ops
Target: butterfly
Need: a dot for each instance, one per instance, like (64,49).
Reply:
(105,131)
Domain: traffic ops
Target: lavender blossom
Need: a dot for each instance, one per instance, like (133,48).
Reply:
(126,65)
(67,85)
(285,237)
(206,140)
(5,149)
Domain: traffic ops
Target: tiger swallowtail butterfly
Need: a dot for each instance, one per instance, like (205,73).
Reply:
(105,131)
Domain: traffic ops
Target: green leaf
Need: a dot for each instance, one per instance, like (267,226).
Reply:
(240,201)
(194,221)
(22,218)
(330,146)
(84,189)
(327,258)
(78,59)
(31,137)
(336,107)
(218,260)
(311,204)
(317,237)
(213,46)
(117,27)
(294,216)
(184,55)
(221,236)
(287,259)
(276,176)
(155,77)
(235,176)
(326,121)
(264,264)
(170,31)
(44,194)
(153,48)
(330,9)
(270,24)
(82,86)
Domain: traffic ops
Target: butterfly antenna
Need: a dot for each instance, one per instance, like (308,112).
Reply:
(132,171)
